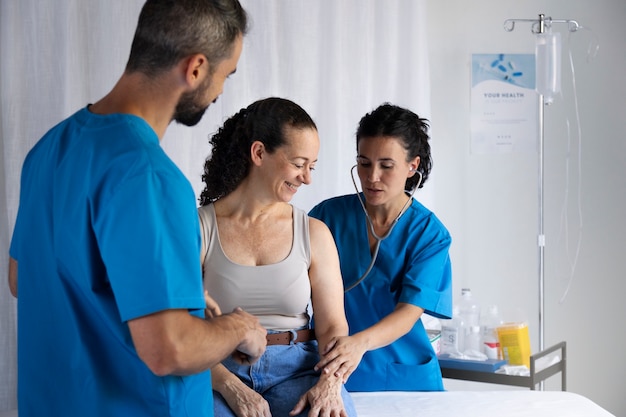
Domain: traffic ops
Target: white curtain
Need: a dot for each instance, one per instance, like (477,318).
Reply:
(338,59)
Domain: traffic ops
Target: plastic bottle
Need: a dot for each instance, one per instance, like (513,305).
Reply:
(469,311)
(489,324)
(451,335)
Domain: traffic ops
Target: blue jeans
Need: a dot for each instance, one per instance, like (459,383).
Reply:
(282,375)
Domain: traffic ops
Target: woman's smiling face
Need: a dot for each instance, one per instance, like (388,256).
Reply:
(291,165)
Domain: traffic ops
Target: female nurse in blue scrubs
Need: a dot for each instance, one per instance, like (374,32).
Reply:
(394,260)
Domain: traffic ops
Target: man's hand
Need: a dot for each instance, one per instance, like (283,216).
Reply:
(254,343)
(253,346)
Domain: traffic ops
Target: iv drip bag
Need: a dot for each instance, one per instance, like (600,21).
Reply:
(548,65)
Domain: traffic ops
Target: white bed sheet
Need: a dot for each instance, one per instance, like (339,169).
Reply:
(469,404)
(522,403)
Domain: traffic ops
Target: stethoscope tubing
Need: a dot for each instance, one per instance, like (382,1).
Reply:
(379,239)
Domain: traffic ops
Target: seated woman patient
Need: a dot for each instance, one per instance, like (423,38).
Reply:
(270,258)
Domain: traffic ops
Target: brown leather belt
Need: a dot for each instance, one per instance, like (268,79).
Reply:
(285,338)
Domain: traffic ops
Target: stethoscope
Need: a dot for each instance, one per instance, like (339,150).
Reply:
(378,238)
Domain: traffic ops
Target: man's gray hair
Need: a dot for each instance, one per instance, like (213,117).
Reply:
(170,30)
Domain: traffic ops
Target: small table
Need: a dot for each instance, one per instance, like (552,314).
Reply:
(530,381)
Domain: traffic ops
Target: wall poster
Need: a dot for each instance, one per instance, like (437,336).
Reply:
(504,104)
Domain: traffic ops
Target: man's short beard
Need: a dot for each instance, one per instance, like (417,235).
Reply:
(189,116)
(188,110)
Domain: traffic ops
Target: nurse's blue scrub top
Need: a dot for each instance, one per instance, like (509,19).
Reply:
(413,266)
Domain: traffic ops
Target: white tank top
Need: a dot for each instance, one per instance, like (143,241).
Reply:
(278,294)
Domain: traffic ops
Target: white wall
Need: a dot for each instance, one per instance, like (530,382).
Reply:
(490,201)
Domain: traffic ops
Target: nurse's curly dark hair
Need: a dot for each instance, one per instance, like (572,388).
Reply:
(401,123)
(265,121)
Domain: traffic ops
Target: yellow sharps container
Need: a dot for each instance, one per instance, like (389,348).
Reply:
(514,343)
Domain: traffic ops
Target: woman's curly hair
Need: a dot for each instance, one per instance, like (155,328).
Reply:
(264,121)
(390,120)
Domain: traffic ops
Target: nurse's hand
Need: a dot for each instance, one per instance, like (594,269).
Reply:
(341,356)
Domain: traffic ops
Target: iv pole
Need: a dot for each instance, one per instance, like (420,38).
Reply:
(539,27)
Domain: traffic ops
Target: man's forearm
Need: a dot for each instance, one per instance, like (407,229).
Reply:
(173,342)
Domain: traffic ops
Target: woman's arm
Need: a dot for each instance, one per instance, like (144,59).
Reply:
(241,399)
(390,328)
(326,285)
(324,397)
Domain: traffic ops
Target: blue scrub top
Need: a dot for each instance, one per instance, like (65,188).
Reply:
(413,266)
(107,231)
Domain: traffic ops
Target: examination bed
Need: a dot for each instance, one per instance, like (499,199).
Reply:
(515,403)
(510,403)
